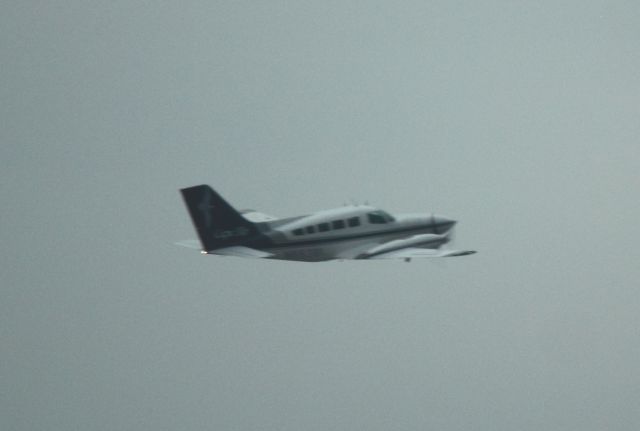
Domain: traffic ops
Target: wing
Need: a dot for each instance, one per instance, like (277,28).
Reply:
(422,245)
(414,252)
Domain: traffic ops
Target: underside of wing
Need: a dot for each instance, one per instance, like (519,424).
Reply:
(414,252)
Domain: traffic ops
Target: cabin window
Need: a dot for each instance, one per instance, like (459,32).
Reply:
(298,231)
(379,217)
(376,217)
(311,229)
(323,227)
(387,216)
(337,224)
(354,221)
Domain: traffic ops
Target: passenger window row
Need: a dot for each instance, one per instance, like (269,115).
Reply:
(325,227)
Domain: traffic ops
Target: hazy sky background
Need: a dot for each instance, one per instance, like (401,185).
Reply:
(519,119)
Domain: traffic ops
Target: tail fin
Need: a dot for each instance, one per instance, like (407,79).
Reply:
(217,223)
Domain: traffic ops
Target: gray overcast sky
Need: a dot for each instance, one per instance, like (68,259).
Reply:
(520,119)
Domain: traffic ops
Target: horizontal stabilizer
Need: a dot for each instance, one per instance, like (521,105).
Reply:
(240,251)
(256,216)
(190,243)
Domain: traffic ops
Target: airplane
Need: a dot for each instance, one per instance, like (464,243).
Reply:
(349,232)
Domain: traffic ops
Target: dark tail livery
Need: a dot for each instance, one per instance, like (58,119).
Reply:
(217,223)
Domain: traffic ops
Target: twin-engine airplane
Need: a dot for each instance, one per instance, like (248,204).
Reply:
(349,232)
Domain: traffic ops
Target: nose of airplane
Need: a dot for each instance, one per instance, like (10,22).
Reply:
(442,224)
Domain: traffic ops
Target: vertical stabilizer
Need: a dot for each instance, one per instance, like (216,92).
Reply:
(218,224)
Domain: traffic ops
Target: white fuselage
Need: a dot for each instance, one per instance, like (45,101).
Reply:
(347,232)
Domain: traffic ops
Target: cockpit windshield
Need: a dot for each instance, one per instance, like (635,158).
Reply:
(379,217)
